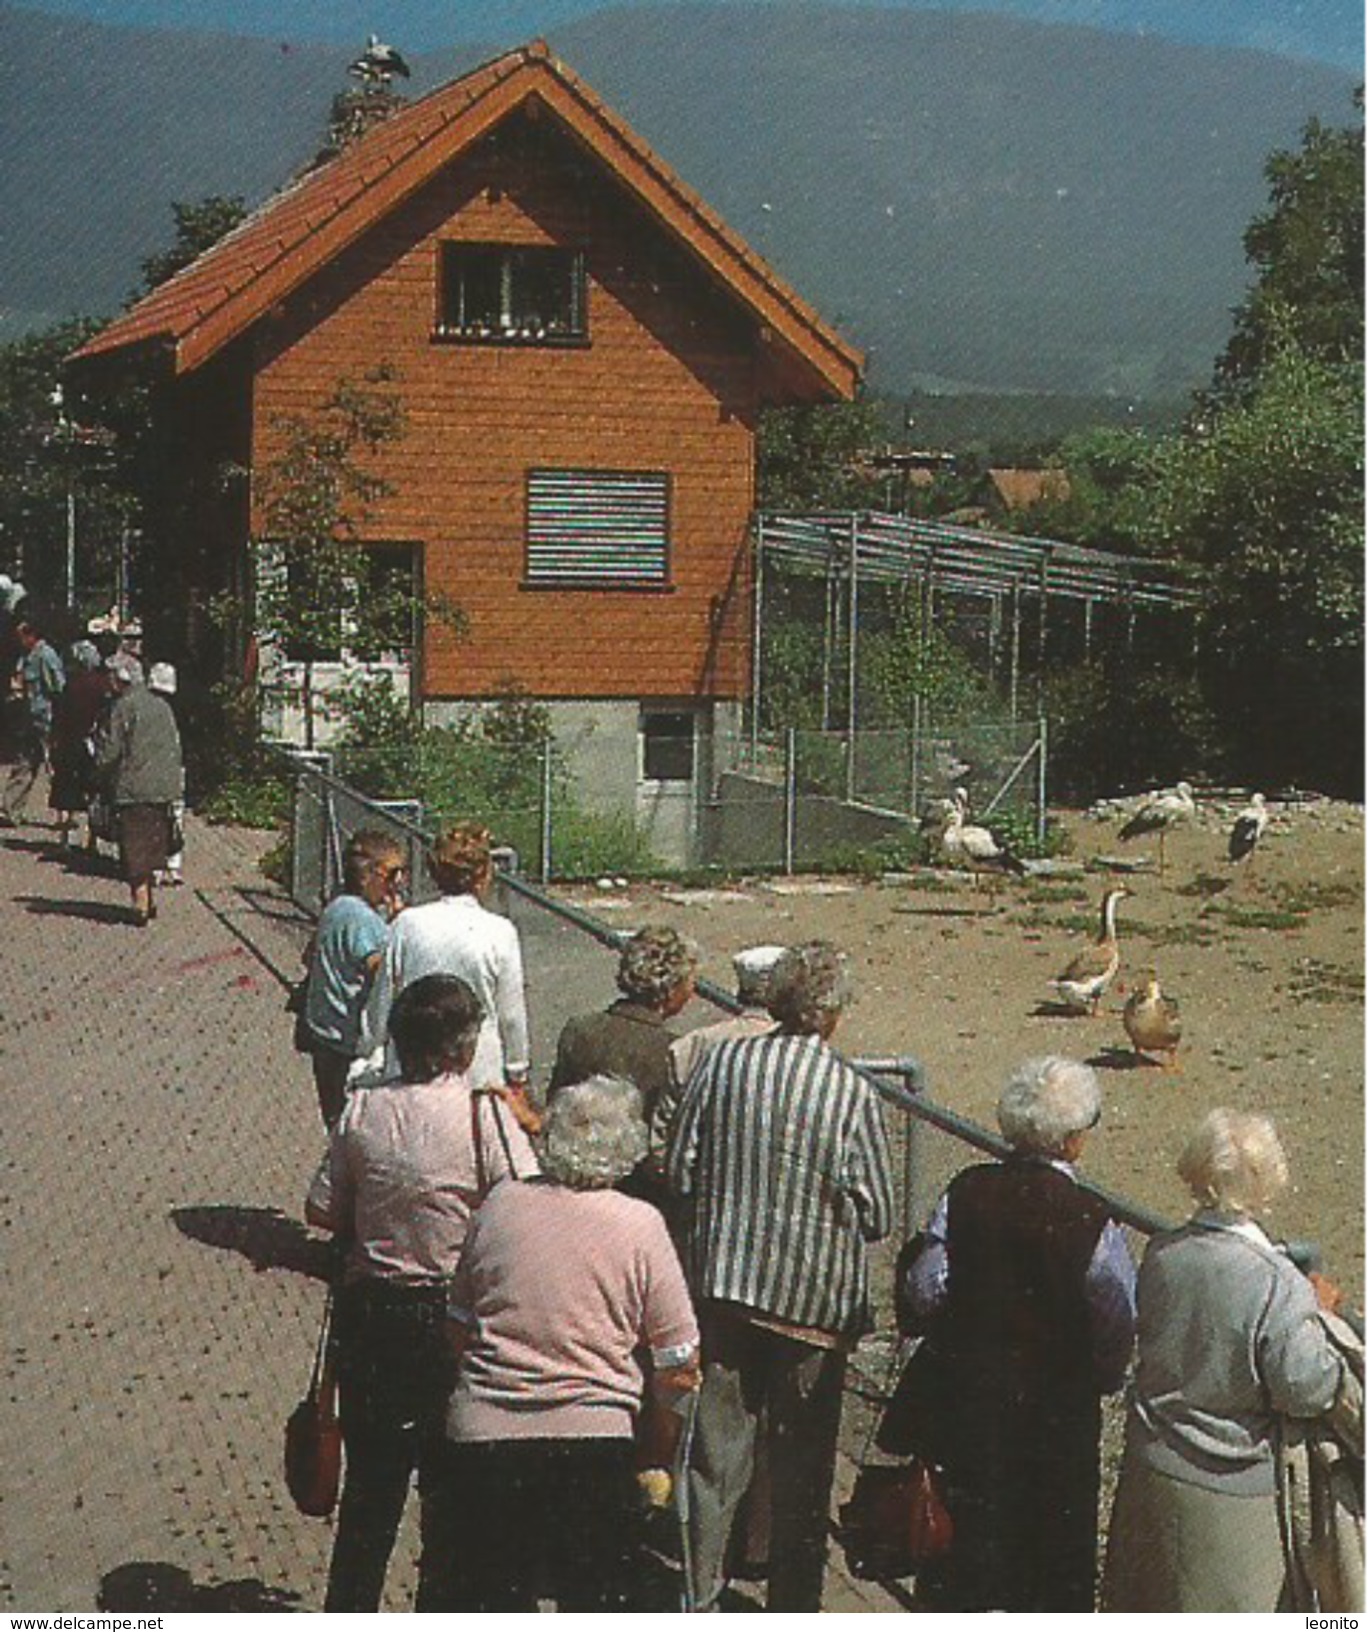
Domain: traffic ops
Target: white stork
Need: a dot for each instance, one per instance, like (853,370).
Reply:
(1159,813)
(379,63)
(975,847)
(1248,830)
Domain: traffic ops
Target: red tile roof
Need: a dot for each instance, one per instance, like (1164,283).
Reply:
(221,294)
(1019,489)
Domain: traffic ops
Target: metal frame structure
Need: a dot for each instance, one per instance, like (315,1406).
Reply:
(1008,569)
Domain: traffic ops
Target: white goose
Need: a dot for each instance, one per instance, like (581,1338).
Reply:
(1082,984)
(1159,813)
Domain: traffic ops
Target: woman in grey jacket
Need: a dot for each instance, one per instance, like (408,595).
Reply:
(138,757)
(1229,1342)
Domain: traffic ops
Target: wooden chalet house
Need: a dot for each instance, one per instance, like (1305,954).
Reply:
(581,347)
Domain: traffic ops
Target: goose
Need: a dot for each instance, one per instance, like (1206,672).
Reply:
(1085,980)
(975,847)
(1248,829)
(1152,1022)
(1159,813)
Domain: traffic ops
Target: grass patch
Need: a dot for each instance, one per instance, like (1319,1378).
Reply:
(1317,982)
(933,884)
(1199,933)
(1313,895)
(1041,894)
(1204,886)
(1073,923)
(1259,917)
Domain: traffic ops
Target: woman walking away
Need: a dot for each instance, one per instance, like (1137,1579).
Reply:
(457,935)
(1230,1343)
(343,957)
(138,757)
(1028,1292)
(563,1284)
(73,721)
(407,1165)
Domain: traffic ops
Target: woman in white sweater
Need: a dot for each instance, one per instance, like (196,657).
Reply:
(458,935)
(1229,1342)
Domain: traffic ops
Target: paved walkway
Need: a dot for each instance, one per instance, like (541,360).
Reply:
(159,1294)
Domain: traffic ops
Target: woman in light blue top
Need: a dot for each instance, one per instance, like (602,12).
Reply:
(343,956)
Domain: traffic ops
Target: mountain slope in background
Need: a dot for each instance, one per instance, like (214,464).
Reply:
(1329,31)
(973,199)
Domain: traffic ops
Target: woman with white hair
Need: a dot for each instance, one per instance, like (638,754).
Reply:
(138,757)
(632,1037)
(563,1282)
(1027,1289)
(1229,1343)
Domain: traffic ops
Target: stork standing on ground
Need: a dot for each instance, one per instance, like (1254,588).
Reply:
(975,847)
(379,63)
(1248,830)
(1160,812)
(1083,983)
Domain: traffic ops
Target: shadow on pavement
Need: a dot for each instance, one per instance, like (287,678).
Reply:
(98,912)
(167,1587)
(263,1235)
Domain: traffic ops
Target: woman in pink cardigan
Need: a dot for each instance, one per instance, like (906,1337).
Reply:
(563,1283)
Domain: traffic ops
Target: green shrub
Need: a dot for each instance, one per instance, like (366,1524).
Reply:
(243,800)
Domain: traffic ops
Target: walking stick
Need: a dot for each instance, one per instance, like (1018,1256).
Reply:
(687,1603)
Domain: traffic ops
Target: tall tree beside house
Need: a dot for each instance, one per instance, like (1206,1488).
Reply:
(1307,248)
(200,223)
(1265,486)
(320,592)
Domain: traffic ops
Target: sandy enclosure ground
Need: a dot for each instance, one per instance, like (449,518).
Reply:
(1267,963)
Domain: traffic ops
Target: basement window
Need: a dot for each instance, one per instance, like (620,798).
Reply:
(667,745)
(519,295)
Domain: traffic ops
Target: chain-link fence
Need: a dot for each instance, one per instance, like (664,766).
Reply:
(569,954)
(819,798)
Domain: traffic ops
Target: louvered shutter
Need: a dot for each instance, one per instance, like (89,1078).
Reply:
(598,527)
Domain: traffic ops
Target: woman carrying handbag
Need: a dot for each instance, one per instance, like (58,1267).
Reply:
(409,1162)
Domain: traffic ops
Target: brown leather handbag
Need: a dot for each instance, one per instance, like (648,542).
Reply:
(313,1435)
(895,1522)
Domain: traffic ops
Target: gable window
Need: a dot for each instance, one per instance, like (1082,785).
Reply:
(501,292)
(598,528)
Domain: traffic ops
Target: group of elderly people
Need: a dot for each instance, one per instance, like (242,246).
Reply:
(559,1306)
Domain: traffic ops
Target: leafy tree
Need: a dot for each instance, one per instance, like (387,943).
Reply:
(1308,252)
(1268,495)
(316,591)
(1108,469)
(199,226)
(53,454)
(808,457)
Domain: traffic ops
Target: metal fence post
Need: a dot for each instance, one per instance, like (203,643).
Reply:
(547,785)
(1042,745)
(790,796)
(914,798)
(853,656)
